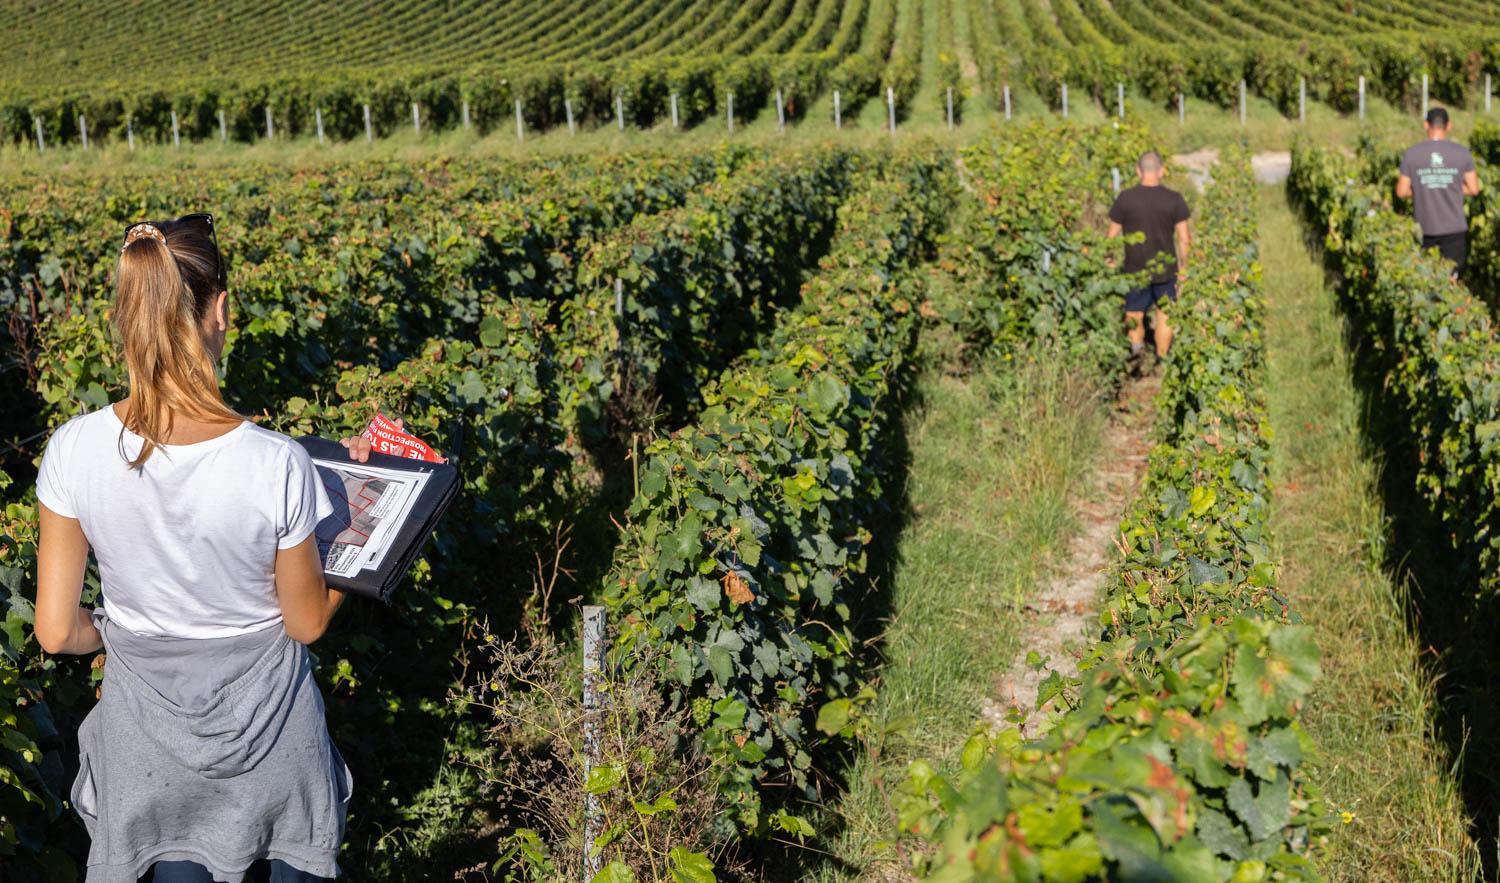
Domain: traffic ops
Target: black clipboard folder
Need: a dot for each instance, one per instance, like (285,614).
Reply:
(437,494)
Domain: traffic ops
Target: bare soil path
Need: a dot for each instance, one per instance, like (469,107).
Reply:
(1059,618)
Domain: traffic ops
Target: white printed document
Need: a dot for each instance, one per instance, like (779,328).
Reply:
(370,504)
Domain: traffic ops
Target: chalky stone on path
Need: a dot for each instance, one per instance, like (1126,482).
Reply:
(1272,167)
(1198,165)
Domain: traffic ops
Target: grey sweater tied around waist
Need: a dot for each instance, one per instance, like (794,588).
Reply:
(210,750)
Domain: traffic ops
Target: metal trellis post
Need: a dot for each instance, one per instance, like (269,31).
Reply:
(593,703)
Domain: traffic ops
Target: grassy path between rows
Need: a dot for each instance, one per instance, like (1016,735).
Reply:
(1372,713)
(996,459)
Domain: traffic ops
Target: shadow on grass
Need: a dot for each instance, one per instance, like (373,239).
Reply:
(1456,625)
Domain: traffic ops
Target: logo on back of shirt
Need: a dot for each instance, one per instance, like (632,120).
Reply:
(1437,158)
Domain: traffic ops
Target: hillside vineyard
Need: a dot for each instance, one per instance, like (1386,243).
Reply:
(250,70)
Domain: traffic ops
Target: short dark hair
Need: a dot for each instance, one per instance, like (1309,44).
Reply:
(1437,117)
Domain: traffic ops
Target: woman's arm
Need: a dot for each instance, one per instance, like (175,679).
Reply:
(62,555)
(307,604)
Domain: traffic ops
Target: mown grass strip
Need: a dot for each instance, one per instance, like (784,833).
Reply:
(1401,817)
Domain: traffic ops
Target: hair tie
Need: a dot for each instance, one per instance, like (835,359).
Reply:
(142,231)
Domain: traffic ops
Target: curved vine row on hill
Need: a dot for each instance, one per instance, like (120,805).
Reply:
(273,64)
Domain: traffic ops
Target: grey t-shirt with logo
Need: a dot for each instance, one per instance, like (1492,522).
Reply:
(1436,169)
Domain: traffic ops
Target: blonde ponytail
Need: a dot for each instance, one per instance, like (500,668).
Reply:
(165,289)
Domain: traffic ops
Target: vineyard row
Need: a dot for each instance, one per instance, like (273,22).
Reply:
(1176,752)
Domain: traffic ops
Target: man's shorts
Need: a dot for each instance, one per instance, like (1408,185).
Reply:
(1139,300)
(1453,246)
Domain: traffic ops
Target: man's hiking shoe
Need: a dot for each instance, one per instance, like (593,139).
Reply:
(1135,366)
(1158,365)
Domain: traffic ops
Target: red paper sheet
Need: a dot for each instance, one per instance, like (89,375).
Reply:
(388,438)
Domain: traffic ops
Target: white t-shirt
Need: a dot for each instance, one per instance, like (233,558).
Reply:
(187,544)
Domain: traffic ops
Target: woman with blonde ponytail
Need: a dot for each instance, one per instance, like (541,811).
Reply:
(207,757)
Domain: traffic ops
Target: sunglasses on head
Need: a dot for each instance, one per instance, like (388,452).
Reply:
(203,222)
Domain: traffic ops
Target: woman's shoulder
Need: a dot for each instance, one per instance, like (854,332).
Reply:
(270,443)
(277,454)
(100,422)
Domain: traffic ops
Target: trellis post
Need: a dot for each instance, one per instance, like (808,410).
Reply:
(1065,100)
(318,119)
(466,116)
(1361,96)
(838,116)
(83,129)
(780,112)
(416,119)
(593,704)
(41,144)
(1181,109)
(1120,99)
(730,104)
(369,131)
(1242,102)
(1114,174)
(1424,94)
(568,109)
(270,130)
(674,110)
(130,133)
(176,141)
(520,126)
(890,105)
(950,108)
(223,130)
(1007,102)
(619,111)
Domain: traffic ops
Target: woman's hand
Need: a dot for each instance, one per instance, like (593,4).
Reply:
(359,446)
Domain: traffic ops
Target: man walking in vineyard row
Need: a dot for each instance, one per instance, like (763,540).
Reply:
(1162,215)
(1443,173)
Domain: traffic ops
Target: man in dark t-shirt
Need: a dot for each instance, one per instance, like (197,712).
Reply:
(1437,174)
(1162,215)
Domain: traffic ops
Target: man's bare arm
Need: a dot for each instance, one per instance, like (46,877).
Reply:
(1403,187)
(1184,239)
(1471,183)
(1114,230)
